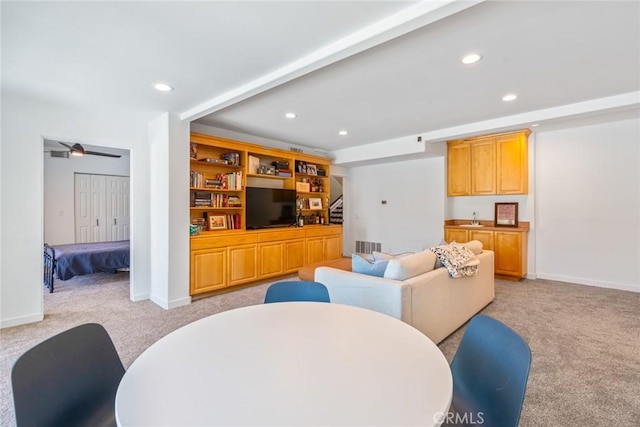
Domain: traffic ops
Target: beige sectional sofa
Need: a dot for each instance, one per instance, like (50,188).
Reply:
(432,302)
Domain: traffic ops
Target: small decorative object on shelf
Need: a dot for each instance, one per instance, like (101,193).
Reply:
(311,169)
(216,222)
(315,203)
(194,150)
(507,214)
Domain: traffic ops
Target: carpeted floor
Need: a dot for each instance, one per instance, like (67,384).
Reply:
(585,341)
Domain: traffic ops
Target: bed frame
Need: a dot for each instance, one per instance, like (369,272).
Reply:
(77,259)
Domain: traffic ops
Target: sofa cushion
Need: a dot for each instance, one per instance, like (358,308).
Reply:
(384,255)
(474,245)
(364,266)
(410,265)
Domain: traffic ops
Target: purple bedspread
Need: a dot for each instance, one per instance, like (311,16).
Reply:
(78,259)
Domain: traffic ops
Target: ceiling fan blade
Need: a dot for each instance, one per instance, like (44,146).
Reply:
(97,153)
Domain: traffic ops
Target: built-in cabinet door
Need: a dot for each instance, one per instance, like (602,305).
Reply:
(271,257)
(483,167)
(208,270)
(315,250)
(512,162)
(243,264)
(509,257)
(457,235)
(486,237)
(293,255)
(332,247)
(458,169)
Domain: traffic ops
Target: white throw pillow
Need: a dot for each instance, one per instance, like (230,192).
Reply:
(410,265)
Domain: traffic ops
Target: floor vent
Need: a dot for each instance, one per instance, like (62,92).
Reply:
(363,247)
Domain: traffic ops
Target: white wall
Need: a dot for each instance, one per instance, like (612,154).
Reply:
(413,217)
(24,125)
(59,208)
(588,205)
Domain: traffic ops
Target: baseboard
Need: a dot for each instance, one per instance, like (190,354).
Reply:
(16,321)
(587,282)
(140,297)
(167,305)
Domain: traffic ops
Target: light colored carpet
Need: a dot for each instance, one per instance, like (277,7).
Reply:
(585,341)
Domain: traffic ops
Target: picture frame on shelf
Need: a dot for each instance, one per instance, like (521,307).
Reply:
(315,203)
(216,222)
(312,170)
(301,167)
(506,214)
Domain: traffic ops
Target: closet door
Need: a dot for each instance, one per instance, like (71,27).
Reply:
(117,207)
(90,209)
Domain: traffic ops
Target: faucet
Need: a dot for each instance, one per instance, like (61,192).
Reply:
(475,219)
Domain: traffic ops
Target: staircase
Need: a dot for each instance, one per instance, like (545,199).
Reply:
(335,211)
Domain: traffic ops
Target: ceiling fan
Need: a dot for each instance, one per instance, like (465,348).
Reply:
(78,150)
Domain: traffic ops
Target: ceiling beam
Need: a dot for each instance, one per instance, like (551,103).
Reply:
(419,15)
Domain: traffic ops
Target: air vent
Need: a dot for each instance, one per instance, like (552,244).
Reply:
(295,150)
(363,247)
(60,154)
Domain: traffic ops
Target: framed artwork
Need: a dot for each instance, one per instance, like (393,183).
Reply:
(216,222)
(506,214)
(312,170)
(315,203)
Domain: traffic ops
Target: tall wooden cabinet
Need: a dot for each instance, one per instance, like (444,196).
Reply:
(228,254)
(488,165)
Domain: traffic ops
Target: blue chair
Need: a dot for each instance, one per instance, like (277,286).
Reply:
(490,371)
(297,291)
(71,379)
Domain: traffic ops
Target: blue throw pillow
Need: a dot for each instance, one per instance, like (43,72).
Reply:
(363,266)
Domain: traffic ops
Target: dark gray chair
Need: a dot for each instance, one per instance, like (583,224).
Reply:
(490,371)
(70,379)
(297,291)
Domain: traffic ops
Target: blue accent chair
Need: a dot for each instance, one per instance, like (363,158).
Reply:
(490,371)
(297,291)
(71,379)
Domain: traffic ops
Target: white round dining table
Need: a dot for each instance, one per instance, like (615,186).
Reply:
(293,363)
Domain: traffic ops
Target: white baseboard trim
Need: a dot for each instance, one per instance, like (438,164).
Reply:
(167,305)
(140,297)
(531,276)
(22,320)
(587,282)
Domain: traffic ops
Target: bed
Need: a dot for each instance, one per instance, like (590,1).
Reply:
(77,259)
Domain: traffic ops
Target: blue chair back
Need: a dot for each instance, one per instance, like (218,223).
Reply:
(297,291)
(490,371)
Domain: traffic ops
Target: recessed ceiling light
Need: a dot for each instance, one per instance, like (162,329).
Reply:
(291,115)
(509,97)
(535,124)
(471,58)
(343,132)
(163,87)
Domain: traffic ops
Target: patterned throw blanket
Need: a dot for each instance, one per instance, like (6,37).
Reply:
(457,259)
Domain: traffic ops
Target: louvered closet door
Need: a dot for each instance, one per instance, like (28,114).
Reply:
(118,219)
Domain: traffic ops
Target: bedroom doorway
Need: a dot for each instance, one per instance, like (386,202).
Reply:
(99,169)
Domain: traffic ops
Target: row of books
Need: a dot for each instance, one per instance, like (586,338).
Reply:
(215,200)
(222,181)
(233,222)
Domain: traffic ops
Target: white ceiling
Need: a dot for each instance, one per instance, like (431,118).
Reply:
(294,56)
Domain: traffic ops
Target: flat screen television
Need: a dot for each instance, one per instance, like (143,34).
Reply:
(270,207)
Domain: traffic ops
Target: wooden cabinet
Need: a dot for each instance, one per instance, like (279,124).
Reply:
(488,165)
(483,167)
(208,270)
(512,164)
(231,255)
(510,246)
(458,169)
(510,253)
